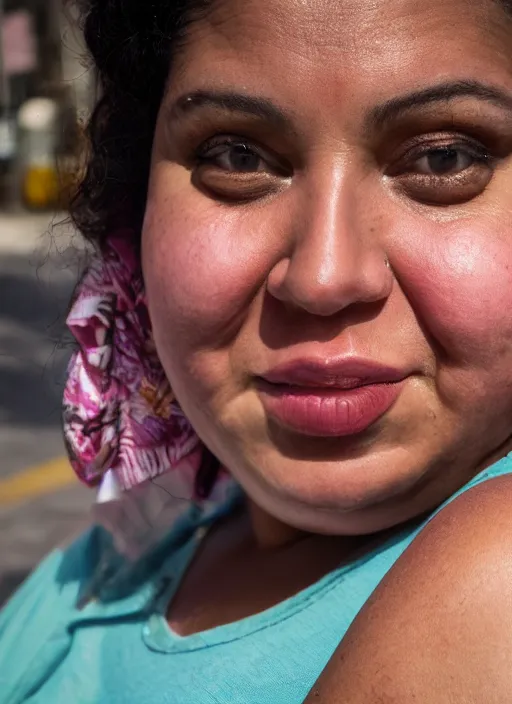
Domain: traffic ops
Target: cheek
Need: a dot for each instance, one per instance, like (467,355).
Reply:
(458,278)
(204,265)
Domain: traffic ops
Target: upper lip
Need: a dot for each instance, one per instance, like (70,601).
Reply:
(341,373)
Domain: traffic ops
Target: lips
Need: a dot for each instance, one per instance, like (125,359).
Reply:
(330,398)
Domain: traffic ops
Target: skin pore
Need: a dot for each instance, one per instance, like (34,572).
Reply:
(331,179)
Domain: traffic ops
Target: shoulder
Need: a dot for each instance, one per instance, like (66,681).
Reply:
(439,626)
(470,532)
(33,625)
(62,574)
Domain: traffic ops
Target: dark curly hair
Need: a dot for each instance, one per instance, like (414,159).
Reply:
(131,44)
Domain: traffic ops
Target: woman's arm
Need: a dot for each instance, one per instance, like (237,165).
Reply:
(438,630)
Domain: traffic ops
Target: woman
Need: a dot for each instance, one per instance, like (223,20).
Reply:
(303,216)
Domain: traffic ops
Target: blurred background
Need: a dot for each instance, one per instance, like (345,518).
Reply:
(46,94)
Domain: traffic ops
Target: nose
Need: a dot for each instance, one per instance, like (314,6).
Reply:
(336,259)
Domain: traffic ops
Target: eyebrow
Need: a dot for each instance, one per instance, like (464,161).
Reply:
(264,109)
(444,92)
(230,102)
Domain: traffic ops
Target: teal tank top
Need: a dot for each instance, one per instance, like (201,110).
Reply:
(120,650)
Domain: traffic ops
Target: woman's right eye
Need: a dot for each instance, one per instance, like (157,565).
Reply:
(236,170)
(234,156)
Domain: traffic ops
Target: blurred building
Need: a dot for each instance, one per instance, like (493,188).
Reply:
(46,91)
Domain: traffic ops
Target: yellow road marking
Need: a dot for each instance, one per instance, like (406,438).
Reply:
(36,481)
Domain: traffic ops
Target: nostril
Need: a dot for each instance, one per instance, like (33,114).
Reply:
(277,278)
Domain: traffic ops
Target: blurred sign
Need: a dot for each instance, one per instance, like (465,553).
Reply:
(18,41)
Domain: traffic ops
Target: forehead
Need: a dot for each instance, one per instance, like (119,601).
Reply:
(323,23)
(375,45)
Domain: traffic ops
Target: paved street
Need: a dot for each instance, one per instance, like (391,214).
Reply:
(40,504)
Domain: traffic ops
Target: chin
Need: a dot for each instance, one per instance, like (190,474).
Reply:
(351,496)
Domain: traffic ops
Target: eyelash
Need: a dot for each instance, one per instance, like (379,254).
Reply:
(477,151)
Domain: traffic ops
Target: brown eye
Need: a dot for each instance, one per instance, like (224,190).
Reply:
(233,156)
(444,175)
(243,159)
(234,170)
(441,162)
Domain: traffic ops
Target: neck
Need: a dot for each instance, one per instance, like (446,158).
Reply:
(270,532)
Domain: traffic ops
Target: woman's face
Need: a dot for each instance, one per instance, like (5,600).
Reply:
(328,250)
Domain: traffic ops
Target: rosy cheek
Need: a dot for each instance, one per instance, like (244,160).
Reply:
(203,269)
(458,278)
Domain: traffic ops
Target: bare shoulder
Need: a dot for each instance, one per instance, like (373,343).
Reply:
(439,627)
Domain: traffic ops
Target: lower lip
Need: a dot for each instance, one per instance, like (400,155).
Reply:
(327,412)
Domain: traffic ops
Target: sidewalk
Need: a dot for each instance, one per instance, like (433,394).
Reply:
(23,233)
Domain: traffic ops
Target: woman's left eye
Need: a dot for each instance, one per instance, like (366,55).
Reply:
(444,161)
(448,174)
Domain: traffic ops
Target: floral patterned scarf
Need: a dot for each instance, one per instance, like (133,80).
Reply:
(121,419)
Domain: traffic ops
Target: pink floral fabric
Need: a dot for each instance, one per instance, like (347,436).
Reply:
(119,410)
